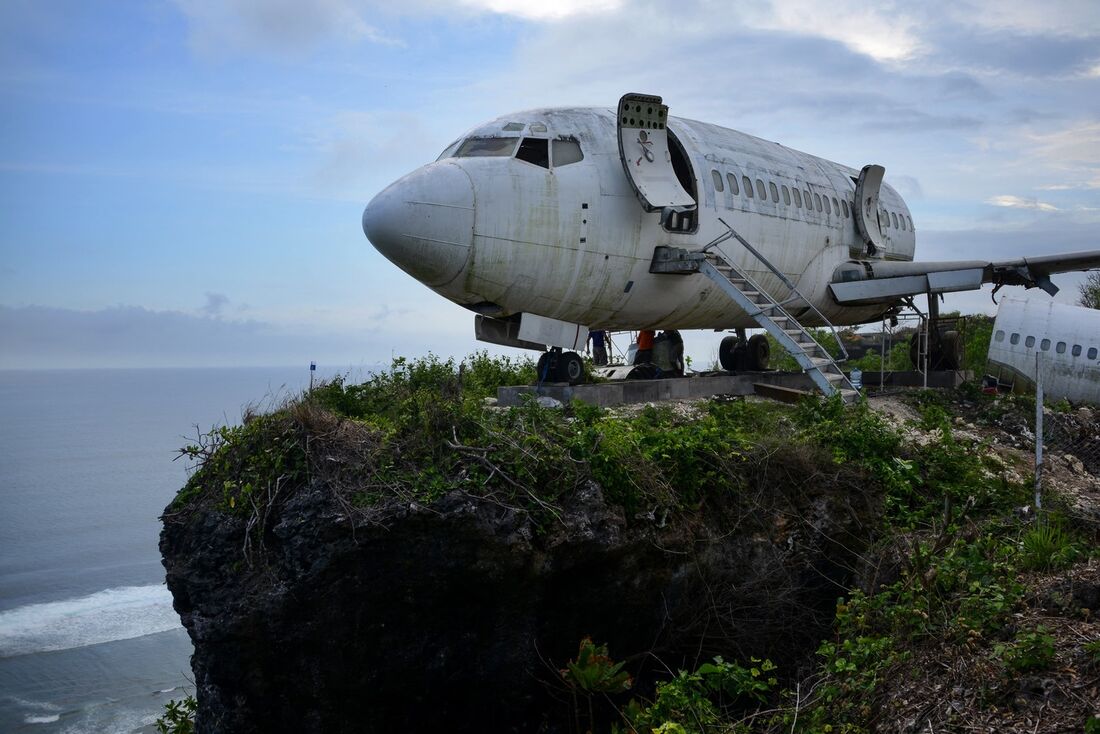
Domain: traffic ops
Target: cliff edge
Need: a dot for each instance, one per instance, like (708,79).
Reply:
(315,612)
(399,556)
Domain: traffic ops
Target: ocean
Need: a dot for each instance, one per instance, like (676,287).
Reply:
(89,641)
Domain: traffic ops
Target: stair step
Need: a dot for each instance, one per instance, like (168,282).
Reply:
(818,364)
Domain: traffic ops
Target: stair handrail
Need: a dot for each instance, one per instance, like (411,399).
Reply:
(783,278)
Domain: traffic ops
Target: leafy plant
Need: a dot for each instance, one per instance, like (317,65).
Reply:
(704,700)
(1092,650)
(1030,651)
(594,672)
(178,718)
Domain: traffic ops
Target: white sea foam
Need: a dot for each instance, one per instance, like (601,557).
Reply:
(113,614)
(36,719)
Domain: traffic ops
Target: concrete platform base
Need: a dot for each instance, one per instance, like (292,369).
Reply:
(605,394)
(619,392)
(912,378)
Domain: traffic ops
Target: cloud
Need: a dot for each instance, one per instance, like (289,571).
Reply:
(132,336)
(1074,146)
(1070,18)
(1016,202)
(358,148)
(218,26)
(215,303)
(886,32)
(540,10)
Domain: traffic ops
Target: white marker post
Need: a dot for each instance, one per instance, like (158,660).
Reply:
(1038,434)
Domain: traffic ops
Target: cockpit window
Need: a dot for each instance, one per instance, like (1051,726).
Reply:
(566,152)
(535,150)
(484,147)
(449,150)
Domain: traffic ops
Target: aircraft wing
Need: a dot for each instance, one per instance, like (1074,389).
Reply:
(866,282)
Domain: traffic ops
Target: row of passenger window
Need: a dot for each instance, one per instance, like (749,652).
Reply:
(793,194)
(1044,345)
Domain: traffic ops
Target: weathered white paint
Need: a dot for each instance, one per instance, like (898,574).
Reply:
(1065,375)
(503,236)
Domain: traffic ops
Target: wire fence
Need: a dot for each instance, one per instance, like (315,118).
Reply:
(1069,431)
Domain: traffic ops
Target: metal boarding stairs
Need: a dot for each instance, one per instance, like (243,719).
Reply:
(769,313)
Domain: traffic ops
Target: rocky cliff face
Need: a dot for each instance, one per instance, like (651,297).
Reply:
(325,618)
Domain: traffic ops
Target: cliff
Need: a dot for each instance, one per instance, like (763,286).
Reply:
(315,614)
(397,556)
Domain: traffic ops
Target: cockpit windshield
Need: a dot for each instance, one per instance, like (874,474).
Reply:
(486,147)
(540,151)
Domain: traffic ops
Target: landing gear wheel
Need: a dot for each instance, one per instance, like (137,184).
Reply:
(675,353)
(570,368)
(543,372)
(644,371)
(758,352)
(727,353)
(949,355)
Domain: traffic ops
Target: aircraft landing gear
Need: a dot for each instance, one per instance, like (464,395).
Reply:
(559,366)
(731,354)
(945,353)
(945,347)
(758,353)
(738,354)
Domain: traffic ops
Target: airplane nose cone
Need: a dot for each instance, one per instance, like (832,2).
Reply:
(424,222)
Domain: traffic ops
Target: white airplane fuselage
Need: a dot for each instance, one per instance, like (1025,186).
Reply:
(1059,340)
(501,235)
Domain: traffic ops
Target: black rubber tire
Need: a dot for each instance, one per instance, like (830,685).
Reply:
(727,356)
(949,356)
(571,368)
(676,353)
(758,352)
(542,371)
(644,371)
(914,351)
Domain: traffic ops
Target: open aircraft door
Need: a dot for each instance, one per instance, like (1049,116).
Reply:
(867,208)
(647,160)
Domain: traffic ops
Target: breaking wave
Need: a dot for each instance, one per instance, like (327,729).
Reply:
(105,616)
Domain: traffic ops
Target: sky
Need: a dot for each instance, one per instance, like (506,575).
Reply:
(181,181)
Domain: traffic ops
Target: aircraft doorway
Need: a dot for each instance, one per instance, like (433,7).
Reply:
(683,221)
(656,163)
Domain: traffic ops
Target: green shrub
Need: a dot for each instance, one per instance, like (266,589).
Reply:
(1047,545)
(705,700)
(1092,651)
(594,672)
(1030,651)
(243,466)
(179,717)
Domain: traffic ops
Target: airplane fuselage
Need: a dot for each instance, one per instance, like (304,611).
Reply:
(502,226)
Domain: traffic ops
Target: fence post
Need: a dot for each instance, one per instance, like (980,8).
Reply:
(1038,434)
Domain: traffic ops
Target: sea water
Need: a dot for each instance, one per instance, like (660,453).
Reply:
(89,641)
